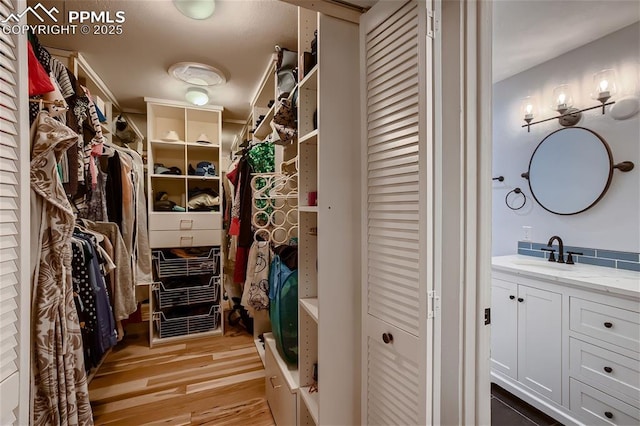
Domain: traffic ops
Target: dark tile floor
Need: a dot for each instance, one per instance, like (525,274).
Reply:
(509,410)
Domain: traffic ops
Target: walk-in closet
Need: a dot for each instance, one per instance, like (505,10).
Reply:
(279,212)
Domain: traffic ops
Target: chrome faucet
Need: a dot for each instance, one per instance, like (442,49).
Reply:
(560,248)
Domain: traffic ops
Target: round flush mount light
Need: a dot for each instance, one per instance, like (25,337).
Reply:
(197,74)
(197,96)
(195,9)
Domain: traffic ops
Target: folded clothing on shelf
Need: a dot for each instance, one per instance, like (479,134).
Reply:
(160,169)
(203,168)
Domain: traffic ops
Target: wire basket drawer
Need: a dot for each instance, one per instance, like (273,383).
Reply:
(187,325)
(173,267)
(188,294)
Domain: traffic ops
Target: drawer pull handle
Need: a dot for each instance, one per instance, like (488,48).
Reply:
(608,414)
(271,381)
(387,338)
(608,324)
(608,369)
(186,223)
(520,299)
(512,297)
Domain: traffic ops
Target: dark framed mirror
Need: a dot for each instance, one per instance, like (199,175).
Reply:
(571,170)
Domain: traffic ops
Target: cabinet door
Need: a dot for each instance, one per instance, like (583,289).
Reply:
(539,341)
(397,225)
(504,327)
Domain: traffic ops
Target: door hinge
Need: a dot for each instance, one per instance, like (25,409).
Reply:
(432,304)
(431,24)
(487,316)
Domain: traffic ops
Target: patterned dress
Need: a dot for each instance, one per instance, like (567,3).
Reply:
(61,395)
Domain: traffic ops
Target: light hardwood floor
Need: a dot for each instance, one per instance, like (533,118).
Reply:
(212,381)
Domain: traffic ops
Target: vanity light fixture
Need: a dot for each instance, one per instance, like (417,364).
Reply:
(529,110)
(605,88)
(195,9)
(197,96)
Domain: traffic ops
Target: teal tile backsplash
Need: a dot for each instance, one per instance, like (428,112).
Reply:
(592,256)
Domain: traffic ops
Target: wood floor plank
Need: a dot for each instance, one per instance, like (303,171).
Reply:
(212,381)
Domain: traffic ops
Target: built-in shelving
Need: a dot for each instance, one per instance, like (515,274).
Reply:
(310,305)
(263,130)
(310,81)
(328,159)
(308,209)
(310,138)
(311,401)
(260,349)
(290,372)
(198,311)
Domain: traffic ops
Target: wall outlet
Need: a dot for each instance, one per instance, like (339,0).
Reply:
(526,233)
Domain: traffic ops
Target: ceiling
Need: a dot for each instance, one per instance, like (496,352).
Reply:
(529,32)
(241,35)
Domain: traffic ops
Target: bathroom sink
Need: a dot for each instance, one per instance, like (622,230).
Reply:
(544,264)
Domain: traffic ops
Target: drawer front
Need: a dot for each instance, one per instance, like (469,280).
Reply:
(597,408)
(282,401)
(184,221)
(168,239)
(608,323)
(605,369)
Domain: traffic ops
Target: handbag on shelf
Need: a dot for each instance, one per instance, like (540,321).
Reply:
(286,71)
(284,122)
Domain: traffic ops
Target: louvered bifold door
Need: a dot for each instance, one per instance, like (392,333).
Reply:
(396,228)
(10,279)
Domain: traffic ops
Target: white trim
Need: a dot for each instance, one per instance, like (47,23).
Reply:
(485,211)
(463,216)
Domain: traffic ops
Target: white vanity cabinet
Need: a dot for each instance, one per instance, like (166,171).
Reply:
(526,335)
(566,339)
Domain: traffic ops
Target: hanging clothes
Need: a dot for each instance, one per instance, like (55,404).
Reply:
(255,296)
(61,393)
(124,303)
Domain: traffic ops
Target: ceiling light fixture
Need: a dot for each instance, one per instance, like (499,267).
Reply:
(197,96)
(197,74)
(195,9)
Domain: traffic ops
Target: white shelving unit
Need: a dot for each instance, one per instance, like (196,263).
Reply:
(328,278)
(192,227)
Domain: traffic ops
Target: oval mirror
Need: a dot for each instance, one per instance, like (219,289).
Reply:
(570,170)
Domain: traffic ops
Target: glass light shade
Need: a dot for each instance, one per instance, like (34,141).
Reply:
(562,99)
(604,84)
(197,96)
(195,9)
(529,108)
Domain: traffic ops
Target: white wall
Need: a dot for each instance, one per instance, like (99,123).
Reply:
(613,223)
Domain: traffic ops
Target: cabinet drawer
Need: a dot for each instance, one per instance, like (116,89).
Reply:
(607,323)
(166,239)
(594,407)
(184,221)
(282,401)
(605,369)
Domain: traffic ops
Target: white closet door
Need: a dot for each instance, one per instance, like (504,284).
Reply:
(397,231)
(14,321)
